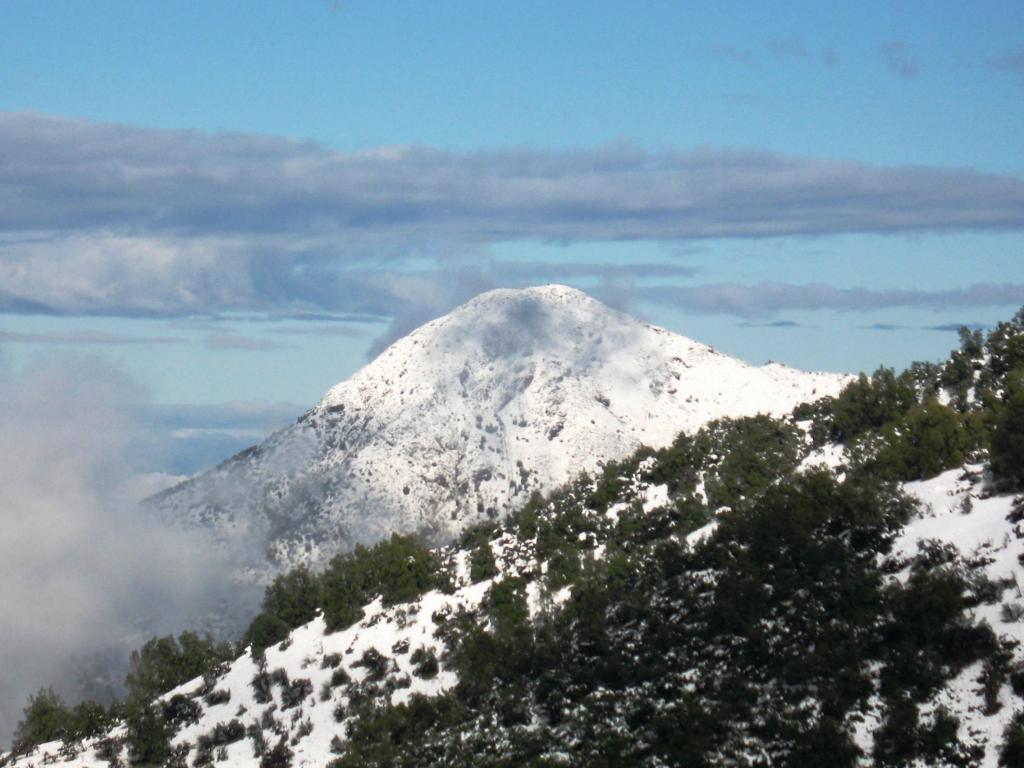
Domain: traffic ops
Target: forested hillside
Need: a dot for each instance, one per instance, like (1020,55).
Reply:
(838,587)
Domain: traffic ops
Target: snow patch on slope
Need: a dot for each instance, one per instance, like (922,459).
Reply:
(517,391)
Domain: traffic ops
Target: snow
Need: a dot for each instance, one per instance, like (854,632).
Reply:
(397,631)
(830,456)
(514,392)
(302,656)
(982,532)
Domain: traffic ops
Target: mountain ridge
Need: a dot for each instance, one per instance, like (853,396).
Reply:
(514,392)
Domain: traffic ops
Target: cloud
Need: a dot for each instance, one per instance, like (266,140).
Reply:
(236,341)
(347,331)
(532,272)
(184,439)
(774,324)
(883,327)
(898,58)
(955,327)
(85,338)
(262,417)
(86,577)
(322,317)
(114,220)
(766,298)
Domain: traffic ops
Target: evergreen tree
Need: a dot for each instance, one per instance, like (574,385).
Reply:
(1007,434)
(45,718)
(165,662)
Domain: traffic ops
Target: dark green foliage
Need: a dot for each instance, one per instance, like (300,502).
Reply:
(109,750)
(374,662)
(501,652)
(481,563)
(1006,347)
(87,719)
(666,655)
(264,631)
(929,632)
(147,735)
(1007,434)
(180,710)
(930,438)
(870,403)
(218,696)
(424,662)
(524,520)
(293,694)
(330,661)
(339,677)
(1011,754)
(744,456)
(224,733)
(379,735)
(927,378)
(279,756)
(958,375)
(293,597)
(218,738)
(262,687)
(165,662)
(45,718)
(397,570)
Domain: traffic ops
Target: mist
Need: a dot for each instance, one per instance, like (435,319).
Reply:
(85,577)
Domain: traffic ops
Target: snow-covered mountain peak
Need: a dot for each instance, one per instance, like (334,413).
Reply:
(516,391)
(552,324)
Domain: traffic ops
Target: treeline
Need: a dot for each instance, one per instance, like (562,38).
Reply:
(666,654)
(159,666)
(933,417)
(764,640)
(396,570)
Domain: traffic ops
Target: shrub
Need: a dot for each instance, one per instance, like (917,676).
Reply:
(1006,448)
(295,692)
(262,687)
(929,439)
(164,663)
(293,597)
(264,631)
(147,735)
(221,696)
(45,718)
(870,403)
(424,662)
(481,563)
(375,662)
(279,756)
(1011,754)
(397,570)
(180,710)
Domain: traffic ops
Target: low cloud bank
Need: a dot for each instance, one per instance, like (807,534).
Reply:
(98,218)
(85,576)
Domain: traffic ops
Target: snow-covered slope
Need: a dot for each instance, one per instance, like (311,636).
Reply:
(957,511)
(514,392)
(312,682)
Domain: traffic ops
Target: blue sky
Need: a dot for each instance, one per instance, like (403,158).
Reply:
(238,203)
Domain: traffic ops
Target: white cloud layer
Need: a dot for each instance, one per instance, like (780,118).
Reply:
(108,219)
(86,577)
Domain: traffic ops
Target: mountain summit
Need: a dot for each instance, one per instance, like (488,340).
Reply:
(516,391)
